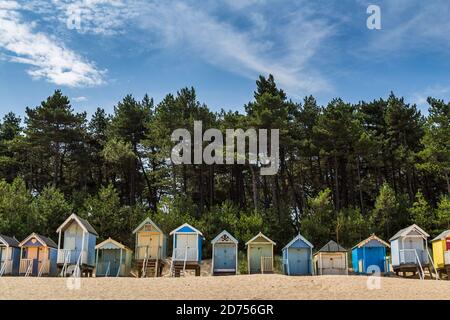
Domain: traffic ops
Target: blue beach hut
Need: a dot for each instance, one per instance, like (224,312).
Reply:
(297,257)
(38,256)
(9,256)
(369,256)
(224,254)
(76,246)
(187,250)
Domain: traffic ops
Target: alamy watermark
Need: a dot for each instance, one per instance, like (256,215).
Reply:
(262,151)
(374,20)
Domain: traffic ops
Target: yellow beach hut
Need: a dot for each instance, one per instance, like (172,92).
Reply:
(260,254)
(150,249)
(441,253)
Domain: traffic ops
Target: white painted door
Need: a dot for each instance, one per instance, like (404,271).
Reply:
(187,242)
(333,264)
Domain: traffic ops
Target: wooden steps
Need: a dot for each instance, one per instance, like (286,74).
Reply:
(153,268)
(179,267)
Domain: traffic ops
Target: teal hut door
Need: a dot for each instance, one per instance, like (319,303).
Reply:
(224,257)
(298,261)
(111,258)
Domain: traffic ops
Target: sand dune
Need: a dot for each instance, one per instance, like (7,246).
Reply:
(231,287)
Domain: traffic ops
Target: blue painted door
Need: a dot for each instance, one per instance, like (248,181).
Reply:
(224,257)
(298,261)
(374,256)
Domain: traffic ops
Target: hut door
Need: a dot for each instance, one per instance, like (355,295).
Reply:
(448,244)
(33,254)
(298,261)
(154,246)
(187,241)
(224,257)
(2,254)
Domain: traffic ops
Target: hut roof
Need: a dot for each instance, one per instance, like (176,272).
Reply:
(260,235)
(442,236)
(405,231)
(82,222)
(114,242)
(147,221)
(372,237)
(299,237)
(332,246)
(226,234)
(188,226)
(8,241)
(46,242)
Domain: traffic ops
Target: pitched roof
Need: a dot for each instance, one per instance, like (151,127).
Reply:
(405,231)
(260,235)
(186,225)
(116,243)
(8,241)
(82,222)
(223,233)
(143,223)
(299,237)
(332,246)
(372,237)
(442,236)
(47,242)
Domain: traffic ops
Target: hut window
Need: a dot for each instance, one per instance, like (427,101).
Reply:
(148,227)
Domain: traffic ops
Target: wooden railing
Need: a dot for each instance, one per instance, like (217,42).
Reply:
(25,266)
(143,252)
(185,254)
(5,267)
(71,256)
(266,264)
(410,256)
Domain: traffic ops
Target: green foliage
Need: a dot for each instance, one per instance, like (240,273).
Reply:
(443,214)
(51,208)
(16,218)
(345,169)
(421,212)
(386,207)
(317,223)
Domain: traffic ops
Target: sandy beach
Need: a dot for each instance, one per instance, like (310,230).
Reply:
(246,287)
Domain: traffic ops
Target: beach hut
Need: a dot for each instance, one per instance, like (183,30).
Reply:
(224,254)
(441,252)
(76,246)
(187,250)
(113,259)
(38,256)
(260,254)
(331,259)
(297,257)
(409,251)
(369,256)
(9,256)
(150,248)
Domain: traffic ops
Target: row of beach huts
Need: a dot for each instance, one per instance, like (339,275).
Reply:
(78,254)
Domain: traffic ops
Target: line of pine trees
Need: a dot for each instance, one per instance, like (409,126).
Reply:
(347,170)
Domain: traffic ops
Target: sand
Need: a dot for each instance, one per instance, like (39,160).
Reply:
(246,287)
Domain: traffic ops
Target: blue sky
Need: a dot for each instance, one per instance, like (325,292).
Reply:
(220,47)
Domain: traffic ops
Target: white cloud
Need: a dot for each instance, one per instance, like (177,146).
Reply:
(246,52)
(412,25)
(436,91)
(79,99)
(281,45)
(48,59)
